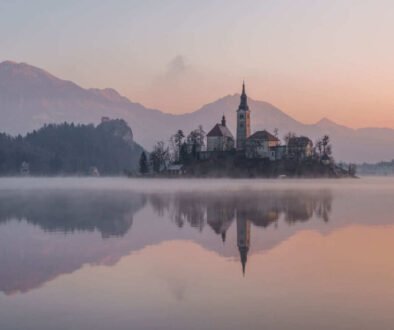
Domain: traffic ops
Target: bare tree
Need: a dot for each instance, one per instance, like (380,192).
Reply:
(319,148)
(276,132)
(159,157)
(323,147)
(288,137)
(327,148)
(176,143)
(196,139)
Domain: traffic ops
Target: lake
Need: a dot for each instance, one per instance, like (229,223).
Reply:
(117,253)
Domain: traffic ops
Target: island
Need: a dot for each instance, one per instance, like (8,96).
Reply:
(257,154)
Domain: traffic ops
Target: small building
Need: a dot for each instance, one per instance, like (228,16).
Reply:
(299,147)
(279,152)
(25,169)
(93,171)
(175,169)
(326,160)
(220,138)
(261,144)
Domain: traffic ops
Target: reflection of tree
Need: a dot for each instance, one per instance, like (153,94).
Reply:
(189,210)
(69,211)
(220,216)
(261,208)
(160,203)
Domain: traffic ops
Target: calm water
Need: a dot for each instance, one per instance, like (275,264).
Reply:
(198,254)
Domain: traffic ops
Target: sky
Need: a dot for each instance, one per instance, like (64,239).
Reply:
(312,59)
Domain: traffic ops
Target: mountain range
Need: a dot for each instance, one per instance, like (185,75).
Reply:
(31,97)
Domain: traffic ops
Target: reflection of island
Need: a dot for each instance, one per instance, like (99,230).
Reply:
(98,226)
(262,209)
(30,257)
(111,213)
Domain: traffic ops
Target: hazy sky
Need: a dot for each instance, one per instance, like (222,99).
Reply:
(312,59)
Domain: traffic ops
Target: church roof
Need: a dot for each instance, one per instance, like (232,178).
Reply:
(220,130)
(299,141)
(263,135)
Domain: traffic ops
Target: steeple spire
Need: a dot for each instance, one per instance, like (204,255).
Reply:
(244,99)
(223,120)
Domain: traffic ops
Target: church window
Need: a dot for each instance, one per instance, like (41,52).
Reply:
(241,125)
(241,116)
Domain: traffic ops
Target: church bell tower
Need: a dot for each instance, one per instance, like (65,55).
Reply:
(243,120)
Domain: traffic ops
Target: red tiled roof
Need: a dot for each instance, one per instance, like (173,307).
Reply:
(299,141)
(220,130)
(263,135)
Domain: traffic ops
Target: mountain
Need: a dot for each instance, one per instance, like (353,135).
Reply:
(31,97)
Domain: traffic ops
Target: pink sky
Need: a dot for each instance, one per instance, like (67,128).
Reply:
(312,59)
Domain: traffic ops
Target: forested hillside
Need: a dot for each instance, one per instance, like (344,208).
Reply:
(66,149)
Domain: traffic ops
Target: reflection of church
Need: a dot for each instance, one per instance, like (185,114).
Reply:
(243,238)
(259,208)
(262,211)
(221,219)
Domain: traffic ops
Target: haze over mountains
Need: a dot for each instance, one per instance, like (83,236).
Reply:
(31,97)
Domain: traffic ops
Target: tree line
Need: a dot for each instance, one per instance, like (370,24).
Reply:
(70,149)
(181,149)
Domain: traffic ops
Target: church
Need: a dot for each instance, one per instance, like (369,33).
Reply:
(261,144)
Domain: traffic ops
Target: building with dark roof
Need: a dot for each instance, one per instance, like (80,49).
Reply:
(220,138)
(261,144)
(299,147)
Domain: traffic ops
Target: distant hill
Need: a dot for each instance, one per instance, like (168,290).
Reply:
(31,97)
(64,149)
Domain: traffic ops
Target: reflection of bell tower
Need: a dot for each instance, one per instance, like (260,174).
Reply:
(243,238)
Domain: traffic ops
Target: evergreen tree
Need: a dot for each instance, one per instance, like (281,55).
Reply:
(176,144)
(143,163)
(184,155)
(69,149)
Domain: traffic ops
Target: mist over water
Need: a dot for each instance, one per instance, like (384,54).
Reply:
(196,254)
(174,185)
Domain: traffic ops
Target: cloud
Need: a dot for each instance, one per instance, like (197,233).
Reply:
(176,67)
(176,75)
(180,87)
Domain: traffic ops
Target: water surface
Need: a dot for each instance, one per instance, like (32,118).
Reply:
(196,254)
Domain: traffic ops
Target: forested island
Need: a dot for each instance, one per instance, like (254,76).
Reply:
(182,157)
(258,154)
